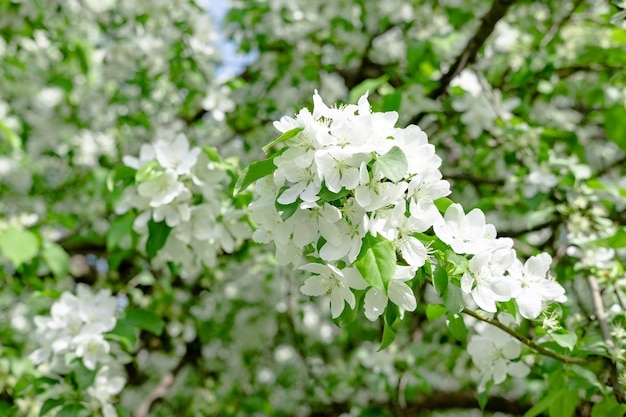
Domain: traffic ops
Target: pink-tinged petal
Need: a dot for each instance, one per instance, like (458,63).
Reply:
(374,303)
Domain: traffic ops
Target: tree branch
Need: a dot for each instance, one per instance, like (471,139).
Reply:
(436,400)
(497,323)
(598,306)
(468,56)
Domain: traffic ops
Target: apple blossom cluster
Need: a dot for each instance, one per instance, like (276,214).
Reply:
(183,190)
(495,273)
(351,200)
(493,352)
(76,328)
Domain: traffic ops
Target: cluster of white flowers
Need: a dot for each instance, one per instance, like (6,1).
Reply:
(341,178)
(184,188)
(479,109)
(75,329)
(493,352)
(348,175)
(495,273)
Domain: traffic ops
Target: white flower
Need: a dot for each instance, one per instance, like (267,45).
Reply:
(310,223)
(340,168)
(486,280)
(334,281)
(398,292)
(427,186)
(300,182)
(109,381)
(492,352)
(176,155)
(92,348)
(146,154)
(373,193)
(162,189)
(535,287)
(468,233)
(349,244)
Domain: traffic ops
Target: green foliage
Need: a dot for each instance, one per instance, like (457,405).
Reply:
(393,164)
(18,246)
(376,261)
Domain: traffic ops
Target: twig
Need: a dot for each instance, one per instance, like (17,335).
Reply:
(468,56)
(190,357)
(488,92)
(497,323)
(598,306)
(158,392)
(556,27)
(535,228)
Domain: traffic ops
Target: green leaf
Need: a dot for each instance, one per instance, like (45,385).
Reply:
(543,404)
(371,84)
(564,405)
(392,102)
(255,171)
(287,210)
(125,331)
(145,320)
(122,412)
(18,245)
(377,261)
(84,377)
(12,137)
(393,164)
(453,299)
(566,340)
(618,240)
(483,397)
(212,153)
(57,259)
(158,233)
(608,406)
(456,325)
(72,410)
(149,171)
(511,307)
(615,125)
(389,335)
(49,404)
(120,173)
(442,204)
(328,196)
(434,311)
(285,136)
(440,280)
(121,227)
